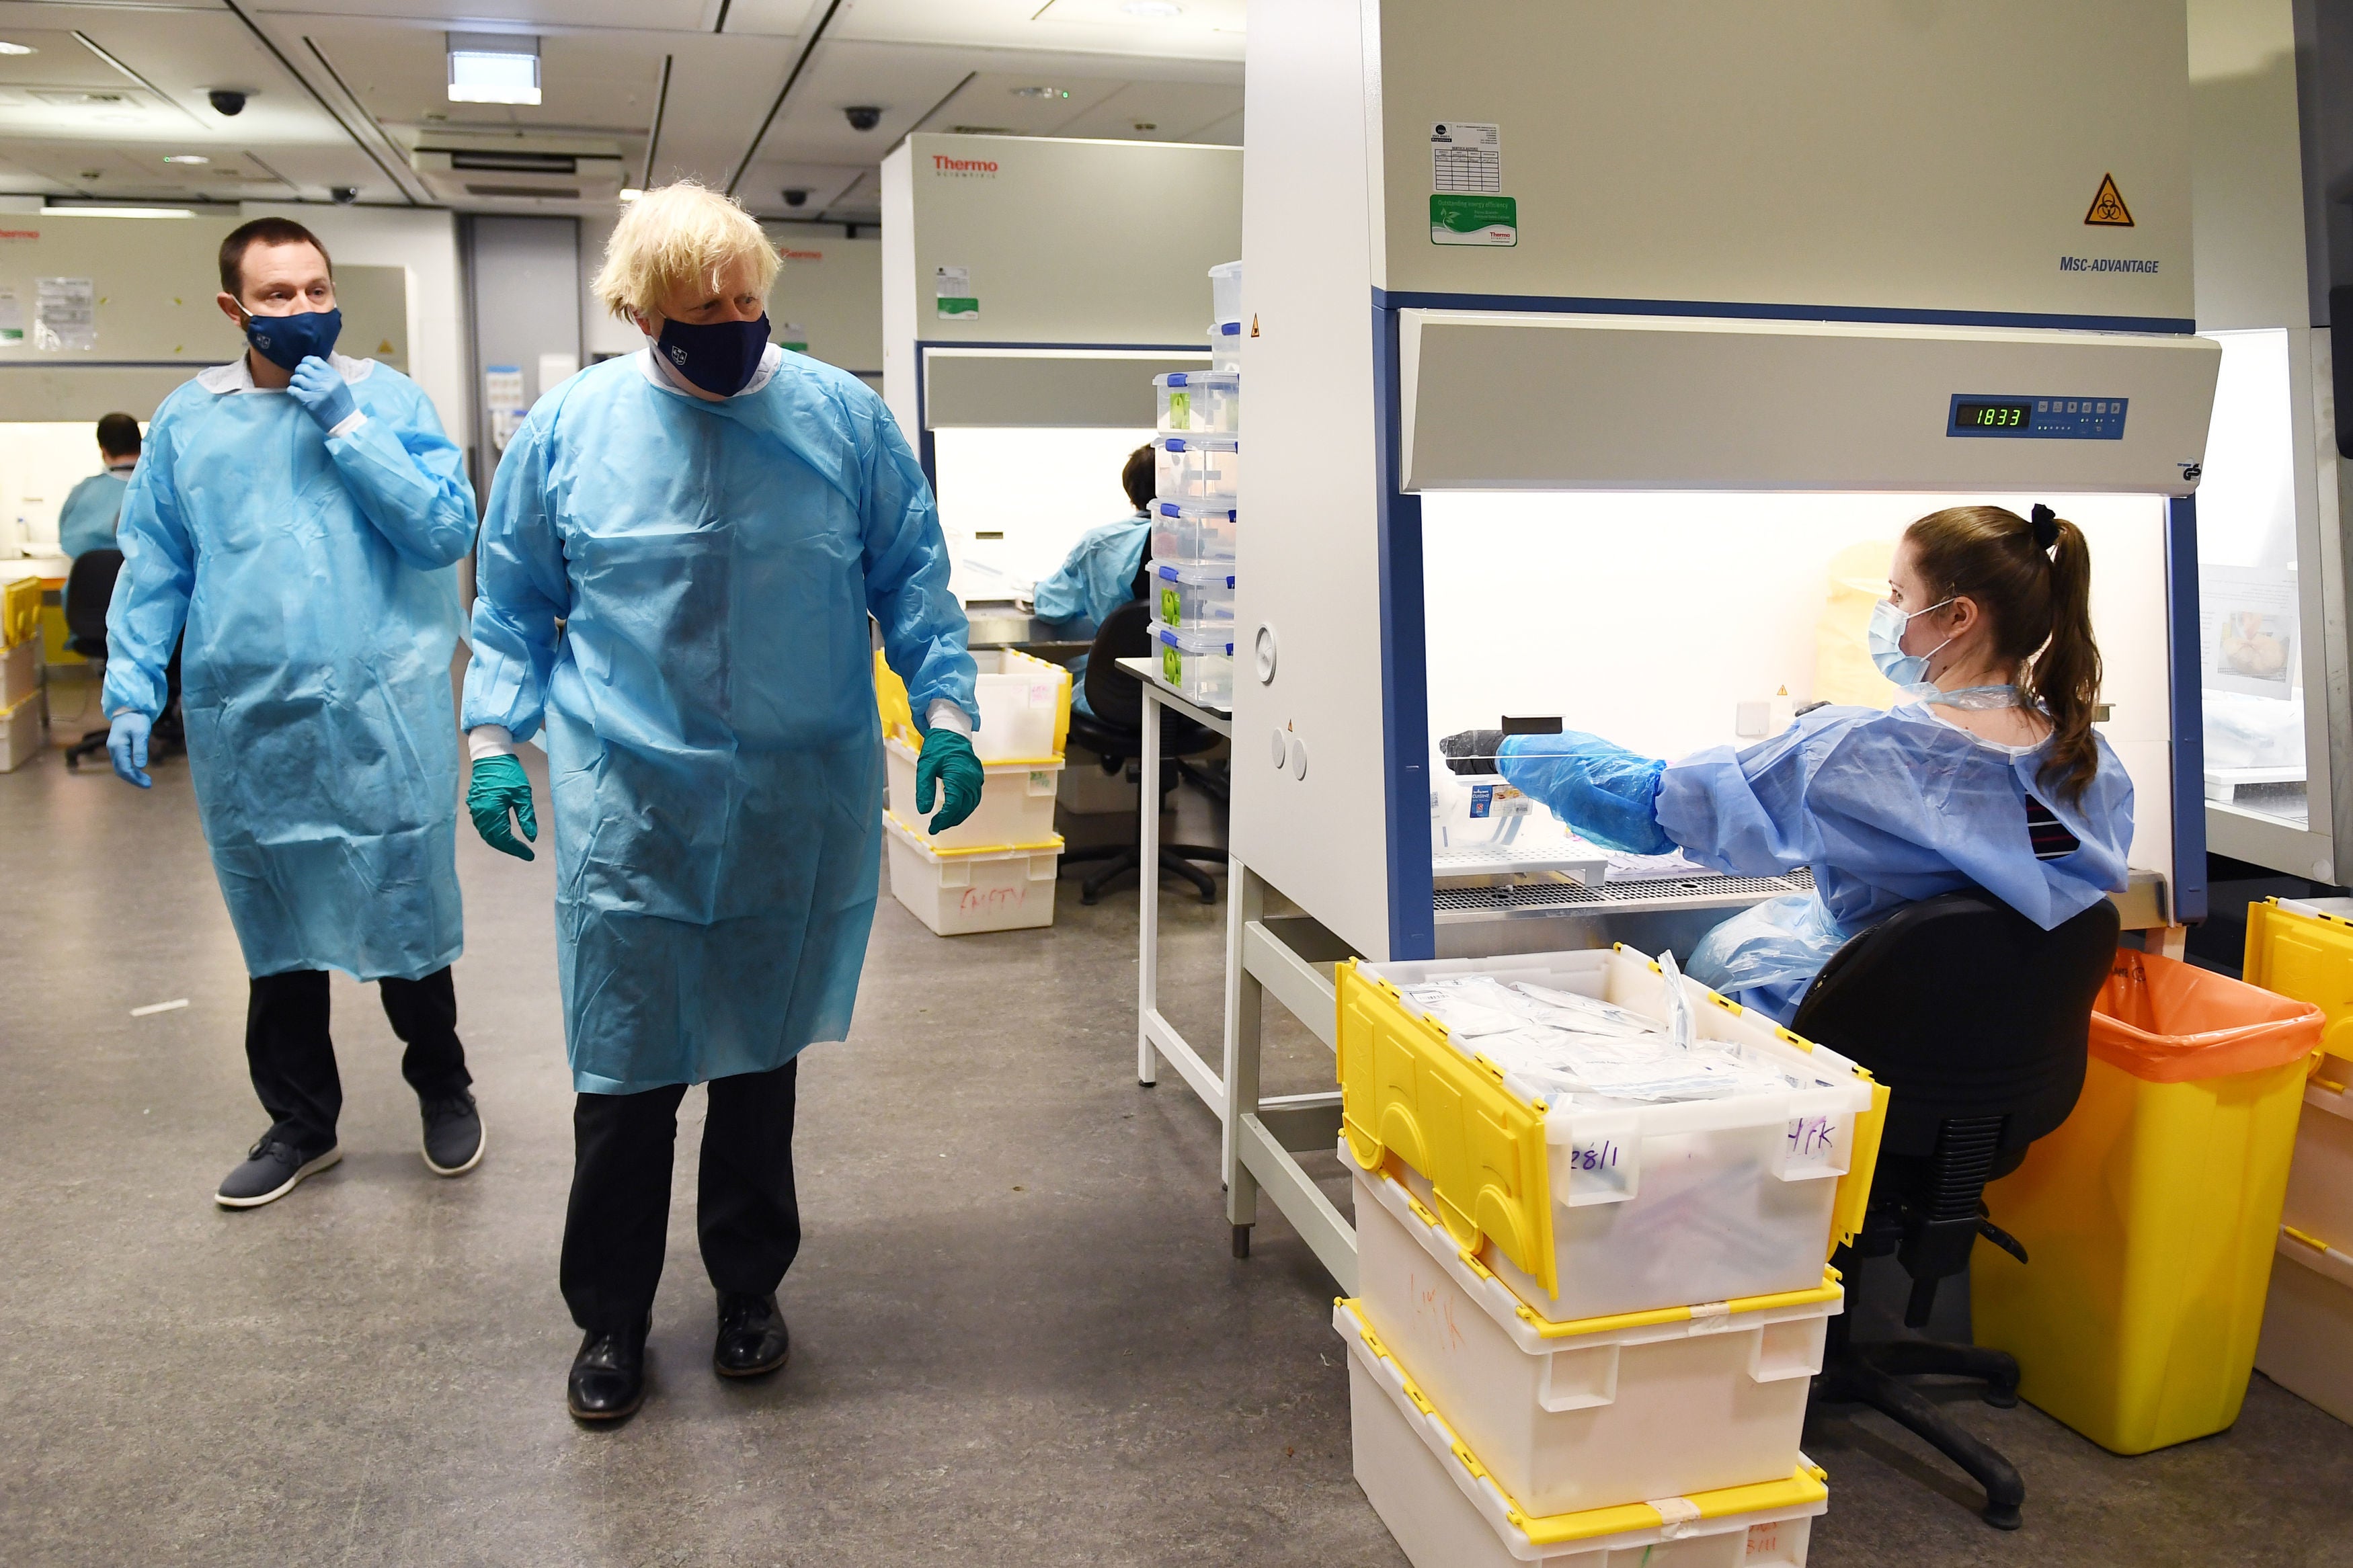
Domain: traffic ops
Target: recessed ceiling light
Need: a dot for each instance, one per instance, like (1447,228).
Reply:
(185,158)
(631,195)
(115,212)
(9,49)
(1153,10)
(493,68)
(1040,92)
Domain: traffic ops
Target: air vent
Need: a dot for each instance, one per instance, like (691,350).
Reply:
(981,130)
(502,163)
(533,193)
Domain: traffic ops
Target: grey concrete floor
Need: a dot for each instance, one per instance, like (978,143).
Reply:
(1018,1335)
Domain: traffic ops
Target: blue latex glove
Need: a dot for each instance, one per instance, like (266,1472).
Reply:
(950,770)
(498,787)
(1607,793)
(126,747)
(322,393)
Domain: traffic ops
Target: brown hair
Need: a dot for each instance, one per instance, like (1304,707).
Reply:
(2034,581)
(1137,478)
(263,231)
(118,435)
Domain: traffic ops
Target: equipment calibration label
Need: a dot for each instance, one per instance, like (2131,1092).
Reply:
(1467,205)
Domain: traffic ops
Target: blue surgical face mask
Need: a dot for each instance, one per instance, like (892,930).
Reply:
(1886,638)
(719,357)
(287,341)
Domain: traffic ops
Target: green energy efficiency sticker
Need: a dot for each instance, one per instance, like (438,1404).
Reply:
(1474,220)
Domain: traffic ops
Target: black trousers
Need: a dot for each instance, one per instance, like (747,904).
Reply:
(293,1061)
(617,1225)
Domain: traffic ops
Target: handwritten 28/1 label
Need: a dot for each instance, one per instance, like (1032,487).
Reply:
(1601,1155)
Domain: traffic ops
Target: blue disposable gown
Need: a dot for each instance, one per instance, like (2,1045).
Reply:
(712,740)
(313,577)
(1885,809)
(1095,579)
(87,521)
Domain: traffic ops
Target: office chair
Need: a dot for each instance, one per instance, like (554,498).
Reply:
(90,589)
(1977,1020)
(1115,731)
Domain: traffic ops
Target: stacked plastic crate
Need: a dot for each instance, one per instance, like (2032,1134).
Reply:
(1586,1327)
(2305,950)
(23,707)
(1197,492)
(995,869)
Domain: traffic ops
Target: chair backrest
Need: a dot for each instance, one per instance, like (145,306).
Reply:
(1111,692)
(1966,1009)
(90,589)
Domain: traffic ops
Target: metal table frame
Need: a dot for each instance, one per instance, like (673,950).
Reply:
(1291,957)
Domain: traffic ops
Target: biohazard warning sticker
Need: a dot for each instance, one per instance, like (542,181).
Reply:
(2108,207)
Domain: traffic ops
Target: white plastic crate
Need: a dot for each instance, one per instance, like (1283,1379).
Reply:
(1196,468)
(1025,706)
(1199,662)
(1626,1207)
(958,892)
(1201,402)
(2308,1341)
(2321,1181)
(1226,293)
(1185,596)
(1568,1416)
(20,671)
(1017,802)
(24,730)
(1195,532)
(1441,1502)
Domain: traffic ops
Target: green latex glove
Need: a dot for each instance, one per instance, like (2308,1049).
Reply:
(949,764)
(498,787)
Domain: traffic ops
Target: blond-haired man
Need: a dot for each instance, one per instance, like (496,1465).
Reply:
(712,519)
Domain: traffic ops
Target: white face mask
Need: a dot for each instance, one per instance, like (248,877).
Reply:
(1886,639)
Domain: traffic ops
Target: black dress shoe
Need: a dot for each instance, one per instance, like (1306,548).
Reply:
(753,1340)
(609,1376)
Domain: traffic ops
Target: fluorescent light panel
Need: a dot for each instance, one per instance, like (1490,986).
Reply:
(493,68)
(116,212)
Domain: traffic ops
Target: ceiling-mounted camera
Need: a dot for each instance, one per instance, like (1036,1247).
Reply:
(863,117)
(797,198)
(344,195)
(227,101)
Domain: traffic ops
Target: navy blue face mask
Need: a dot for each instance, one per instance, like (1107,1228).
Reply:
(287,341)
(721,357)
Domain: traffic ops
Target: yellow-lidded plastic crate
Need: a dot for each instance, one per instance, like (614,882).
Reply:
(2150,1216)
(1025,707)
(1585,1211)
(20,611)
(2309,955)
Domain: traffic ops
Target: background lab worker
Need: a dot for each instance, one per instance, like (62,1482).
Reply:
(712,519)
(1103,570)
(1986,773)
(86,520)
(299,512)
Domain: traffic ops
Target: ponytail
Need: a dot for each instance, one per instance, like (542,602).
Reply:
(2066,673)
(2033,580)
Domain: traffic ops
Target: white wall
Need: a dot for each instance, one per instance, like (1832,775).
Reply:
(426,243)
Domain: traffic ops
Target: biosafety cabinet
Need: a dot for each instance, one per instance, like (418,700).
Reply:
(1032,286)
(2272,149)
(1588,344)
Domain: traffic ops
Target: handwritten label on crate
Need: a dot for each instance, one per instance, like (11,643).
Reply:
(1813,1146)
(1600,1162)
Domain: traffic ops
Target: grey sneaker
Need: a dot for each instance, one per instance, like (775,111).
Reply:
(273,1169)
(453,1134)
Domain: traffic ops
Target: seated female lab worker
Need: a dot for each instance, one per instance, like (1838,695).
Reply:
(1103,570)
(1987,772)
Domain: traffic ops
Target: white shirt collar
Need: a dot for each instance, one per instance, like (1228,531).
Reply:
(237,375)
(656,371)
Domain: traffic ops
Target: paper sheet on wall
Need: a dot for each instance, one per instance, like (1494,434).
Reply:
(64,313)
(12,319)
(952,288)
(2247,631)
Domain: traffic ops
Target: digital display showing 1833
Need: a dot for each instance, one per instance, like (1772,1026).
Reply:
(1993,416)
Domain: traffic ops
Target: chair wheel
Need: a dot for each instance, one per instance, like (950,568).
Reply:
(2003,1516)
(2001,1398)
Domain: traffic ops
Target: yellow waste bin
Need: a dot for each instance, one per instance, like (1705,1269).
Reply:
(2149,1219)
